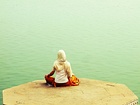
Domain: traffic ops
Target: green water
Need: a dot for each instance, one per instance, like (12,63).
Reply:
(101,40)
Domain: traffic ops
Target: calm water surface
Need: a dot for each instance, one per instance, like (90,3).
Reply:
(101,40)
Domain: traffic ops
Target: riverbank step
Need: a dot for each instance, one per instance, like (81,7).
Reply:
(89,92)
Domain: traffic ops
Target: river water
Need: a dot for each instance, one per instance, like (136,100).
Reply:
(101,40)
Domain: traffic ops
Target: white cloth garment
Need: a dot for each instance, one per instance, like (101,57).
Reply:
(61,76)
(62,68)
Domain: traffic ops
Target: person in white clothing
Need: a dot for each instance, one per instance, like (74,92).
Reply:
(63,71)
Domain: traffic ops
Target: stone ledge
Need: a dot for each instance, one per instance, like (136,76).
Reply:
(89,92)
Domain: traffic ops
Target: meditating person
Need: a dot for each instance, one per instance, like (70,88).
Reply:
(64,75)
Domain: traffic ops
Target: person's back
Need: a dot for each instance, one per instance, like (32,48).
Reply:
(63,71)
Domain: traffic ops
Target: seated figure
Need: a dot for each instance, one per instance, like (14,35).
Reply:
(64,75)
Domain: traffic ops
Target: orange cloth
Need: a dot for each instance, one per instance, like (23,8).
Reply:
(73,81)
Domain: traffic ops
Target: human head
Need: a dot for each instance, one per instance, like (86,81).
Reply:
(61,56)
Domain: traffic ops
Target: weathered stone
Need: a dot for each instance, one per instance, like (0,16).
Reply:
(89,92)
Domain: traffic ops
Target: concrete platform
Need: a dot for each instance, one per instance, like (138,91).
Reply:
(89,92)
